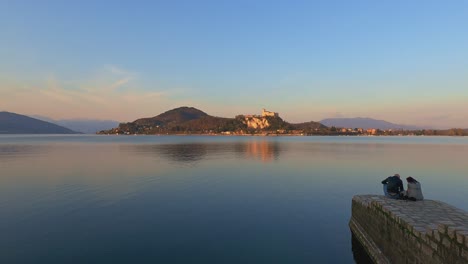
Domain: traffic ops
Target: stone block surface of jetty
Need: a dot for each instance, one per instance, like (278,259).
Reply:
(399,231)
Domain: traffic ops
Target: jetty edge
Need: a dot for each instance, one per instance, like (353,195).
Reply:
(399,231)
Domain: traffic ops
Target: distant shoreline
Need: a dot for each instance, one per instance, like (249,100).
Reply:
(277,135)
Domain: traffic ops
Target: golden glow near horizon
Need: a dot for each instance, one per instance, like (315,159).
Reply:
(113,94)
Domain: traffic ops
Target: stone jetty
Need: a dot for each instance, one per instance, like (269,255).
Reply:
(399,231)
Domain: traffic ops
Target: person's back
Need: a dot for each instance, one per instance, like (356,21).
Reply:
(393,186)
(414,189)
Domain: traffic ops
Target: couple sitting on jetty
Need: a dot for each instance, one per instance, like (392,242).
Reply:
(393,188)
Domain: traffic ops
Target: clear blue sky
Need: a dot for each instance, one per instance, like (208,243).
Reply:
(403,61)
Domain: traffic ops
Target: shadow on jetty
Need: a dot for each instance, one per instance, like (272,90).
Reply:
(360,255)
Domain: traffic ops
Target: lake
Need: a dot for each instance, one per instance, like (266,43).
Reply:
(205,199)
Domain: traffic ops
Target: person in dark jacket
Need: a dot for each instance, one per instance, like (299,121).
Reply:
(393,186)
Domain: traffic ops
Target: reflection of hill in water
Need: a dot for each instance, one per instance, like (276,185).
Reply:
(194,152)
(175,152)
(184,153)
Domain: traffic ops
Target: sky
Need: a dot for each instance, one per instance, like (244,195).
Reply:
(401,61)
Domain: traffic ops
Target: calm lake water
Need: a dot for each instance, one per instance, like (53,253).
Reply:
(201,199)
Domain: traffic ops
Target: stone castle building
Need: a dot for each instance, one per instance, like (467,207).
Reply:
(268,113)
(259,122)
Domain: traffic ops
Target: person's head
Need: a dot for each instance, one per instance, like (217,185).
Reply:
(397,175)
(411,180)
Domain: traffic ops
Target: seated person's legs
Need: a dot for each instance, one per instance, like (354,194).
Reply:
(390,195)
(385,190)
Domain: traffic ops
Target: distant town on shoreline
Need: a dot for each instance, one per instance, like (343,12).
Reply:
(189,120)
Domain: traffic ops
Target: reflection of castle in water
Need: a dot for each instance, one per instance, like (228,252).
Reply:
(264,150)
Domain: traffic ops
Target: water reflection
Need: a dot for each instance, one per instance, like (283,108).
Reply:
(15,151)
(266,151)
(202,199)
(184,153)
(189,153)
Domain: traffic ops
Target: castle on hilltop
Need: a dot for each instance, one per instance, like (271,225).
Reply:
(268,113)
(257,121)
(265,113)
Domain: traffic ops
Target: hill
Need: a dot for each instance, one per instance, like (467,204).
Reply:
(360,122)
(175,116)
(189,120)
(11,123)
(182,120)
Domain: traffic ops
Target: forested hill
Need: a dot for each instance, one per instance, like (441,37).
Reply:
(189,120)
(175,116)
(182,120)
(11,123)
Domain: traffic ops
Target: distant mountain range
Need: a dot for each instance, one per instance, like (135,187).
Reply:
(360,122)
(11,123)
(87,126)
(182,120)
